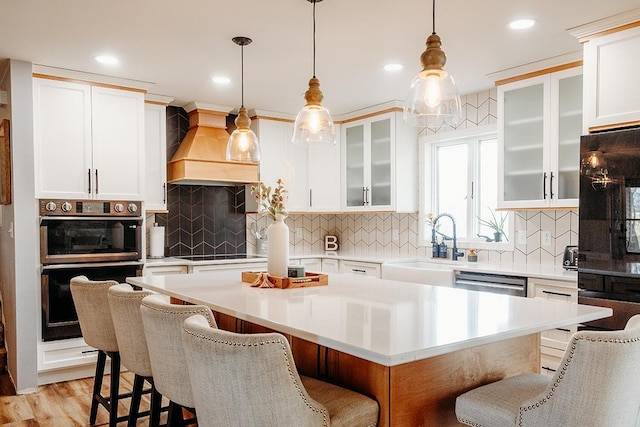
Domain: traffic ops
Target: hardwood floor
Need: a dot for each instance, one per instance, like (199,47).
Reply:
(64,404)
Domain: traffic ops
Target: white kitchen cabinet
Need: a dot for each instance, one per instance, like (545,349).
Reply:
(554,342)
(539,129)
(155,124)
(62,138)
(164,270)
(323,167)
(311,174)
(359,268)
(330,265)
(239,267)
(311,265)
(379,158)
(88,141)
(612,79)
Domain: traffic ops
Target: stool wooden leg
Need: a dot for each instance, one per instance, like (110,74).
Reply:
(114,389)
(136,395)
(97,386)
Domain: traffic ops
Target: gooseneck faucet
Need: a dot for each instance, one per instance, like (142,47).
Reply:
(454,251)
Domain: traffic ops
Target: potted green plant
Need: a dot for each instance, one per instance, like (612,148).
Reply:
(497,225)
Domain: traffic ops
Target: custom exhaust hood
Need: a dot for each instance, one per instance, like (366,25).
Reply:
(201,156)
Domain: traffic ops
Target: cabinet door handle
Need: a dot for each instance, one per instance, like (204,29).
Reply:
(96,181)
(358,270)
(89,175)
(547,369)
(366,199)
(551,185)
(556,293)
(164,193)
(310,197)
(544,186)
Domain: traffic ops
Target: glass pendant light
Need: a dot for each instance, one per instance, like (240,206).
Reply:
(433,97)
(243,145)
(314,124)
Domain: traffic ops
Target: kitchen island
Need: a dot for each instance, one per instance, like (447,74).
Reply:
(412,347)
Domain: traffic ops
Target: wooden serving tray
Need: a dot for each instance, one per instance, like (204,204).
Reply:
(310,279)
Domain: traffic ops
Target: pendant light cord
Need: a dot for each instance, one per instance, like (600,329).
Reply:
(433,17)
(314,38)
(242,75)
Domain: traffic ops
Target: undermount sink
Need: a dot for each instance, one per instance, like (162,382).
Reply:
(429,273)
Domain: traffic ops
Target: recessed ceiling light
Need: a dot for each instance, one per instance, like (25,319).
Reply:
(107,60)
(521,24)
(393,67)
(221,80)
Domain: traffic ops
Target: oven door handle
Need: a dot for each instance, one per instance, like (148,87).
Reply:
(49,267)
(91,218)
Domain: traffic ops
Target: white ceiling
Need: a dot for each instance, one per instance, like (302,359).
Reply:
(174,48)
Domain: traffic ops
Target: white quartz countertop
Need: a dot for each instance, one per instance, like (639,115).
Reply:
(384,321)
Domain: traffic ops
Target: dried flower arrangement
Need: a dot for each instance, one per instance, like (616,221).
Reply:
(271,202)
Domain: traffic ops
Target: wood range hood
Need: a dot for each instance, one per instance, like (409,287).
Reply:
(201,156)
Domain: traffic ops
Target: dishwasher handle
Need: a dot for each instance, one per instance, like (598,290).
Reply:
(468,284)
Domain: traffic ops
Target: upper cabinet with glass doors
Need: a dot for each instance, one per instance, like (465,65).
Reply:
(539,129)
(380,164)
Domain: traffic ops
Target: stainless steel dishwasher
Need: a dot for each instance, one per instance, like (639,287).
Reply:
(488,282)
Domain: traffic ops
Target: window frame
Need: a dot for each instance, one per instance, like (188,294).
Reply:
(427,179)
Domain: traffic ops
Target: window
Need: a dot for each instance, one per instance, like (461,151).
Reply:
(460,177)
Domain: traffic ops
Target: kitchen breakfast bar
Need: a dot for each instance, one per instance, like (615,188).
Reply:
(412,347)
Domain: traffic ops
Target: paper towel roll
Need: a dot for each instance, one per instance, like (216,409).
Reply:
(156,242)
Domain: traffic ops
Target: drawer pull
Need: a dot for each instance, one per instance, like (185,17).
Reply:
(556,293)
(563,329)
(89,351)
(548,369)
(358,270)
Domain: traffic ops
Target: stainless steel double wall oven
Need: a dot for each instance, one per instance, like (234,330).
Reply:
(97,239)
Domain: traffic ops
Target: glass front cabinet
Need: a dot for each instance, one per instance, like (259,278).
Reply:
(372,149)
(539,129)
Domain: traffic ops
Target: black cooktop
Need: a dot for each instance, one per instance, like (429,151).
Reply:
(219,257)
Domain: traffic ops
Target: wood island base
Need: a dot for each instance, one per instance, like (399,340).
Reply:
(418,393)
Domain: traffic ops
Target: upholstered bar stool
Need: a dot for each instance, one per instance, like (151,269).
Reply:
(251,380)
(94,315)
(134,354)
(163,323)
(597,385)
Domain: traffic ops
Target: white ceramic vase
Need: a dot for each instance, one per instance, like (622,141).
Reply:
(278,248)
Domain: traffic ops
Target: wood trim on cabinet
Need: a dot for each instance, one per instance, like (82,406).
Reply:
(539,73)
(610,31)
(613,126)
(275,119)
(86,82)
(366,116)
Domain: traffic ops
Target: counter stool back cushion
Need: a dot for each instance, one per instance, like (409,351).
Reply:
(92,306)
(163,324)
(124,303)
(597,384)
(251,379)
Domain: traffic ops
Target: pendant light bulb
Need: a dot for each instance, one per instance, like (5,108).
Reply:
(314,124)
(243,145)
(433,97)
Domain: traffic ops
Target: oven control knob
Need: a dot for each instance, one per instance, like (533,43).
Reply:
(118,207)
(132,207)
(66,207)
(51,206)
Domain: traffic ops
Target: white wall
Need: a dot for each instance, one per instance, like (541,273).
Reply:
(19,266)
